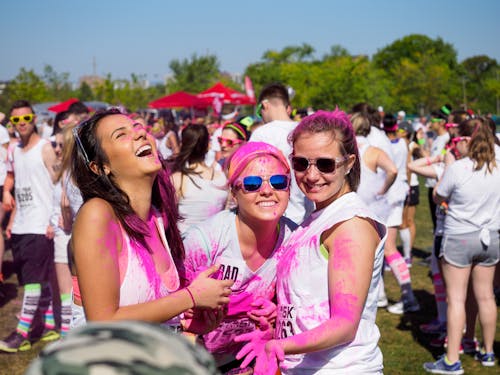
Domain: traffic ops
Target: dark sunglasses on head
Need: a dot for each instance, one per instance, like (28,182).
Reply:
(324,165)
(251,184)
(26,118)
(230,142)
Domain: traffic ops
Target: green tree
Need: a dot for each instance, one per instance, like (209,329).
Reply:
(27,85)
(85,92)
(479,72)
(58,85)
(423,73)
(105,91)
(193,75)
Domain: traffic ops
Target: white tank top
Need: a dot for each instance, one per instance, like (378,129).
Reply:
(370,184)
(201,198)
(141,282)
(33,190)
(216,242)
(303,300)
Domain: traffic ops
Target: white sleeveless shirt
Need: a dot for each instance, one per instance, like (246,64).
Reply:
(201,198)
(303,300)
(33,190)
(216,242)
(141,282)
(370,184)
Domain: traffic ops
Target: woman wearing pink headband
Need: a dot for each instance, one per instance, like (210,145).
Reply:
(245,242)
(233,136)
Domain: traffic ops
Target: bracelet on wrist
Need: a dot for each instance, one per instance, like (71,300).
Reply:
(191,295)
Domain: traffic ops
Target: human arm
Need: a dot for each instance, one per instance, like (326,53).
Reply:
(50,160)
(97,242)
(176,179)
(350,268)
(172,143)
(384,162)
(8,228)
(8,201)
(444,186)
(423,166)
(352,247)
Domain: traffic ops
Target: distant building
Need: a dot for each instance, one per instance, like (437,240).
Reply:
(92,80)
(3,85)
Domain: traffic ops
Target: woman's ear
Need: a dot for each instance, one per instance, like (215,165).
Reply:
(350,162)
(95,169)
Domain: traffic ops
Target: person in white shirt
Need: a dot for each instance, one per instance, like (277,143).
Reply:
(32,168)
(438,121)
(329,274)
(274,108)
(245,242)
(470,246)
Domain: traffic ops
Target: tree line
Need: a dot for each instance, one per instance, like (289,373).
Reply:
(415,73)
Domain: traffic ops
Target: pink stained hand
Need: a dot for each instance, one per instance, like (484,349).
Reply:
(263,309)
(261,346)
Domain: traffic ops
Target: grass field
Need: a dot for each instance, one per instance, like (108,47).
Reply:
(404,347)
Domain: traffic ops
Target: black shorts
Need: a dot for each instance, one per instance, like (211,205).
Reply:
(412,199)
(33,258)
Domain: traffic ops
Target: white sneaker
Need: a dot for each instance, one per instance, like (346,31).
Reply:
(382,301)
(401,308)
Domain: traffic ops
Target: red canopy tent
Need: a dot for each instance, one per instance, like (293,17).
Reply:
(63,106)
(226,94)
(179,99)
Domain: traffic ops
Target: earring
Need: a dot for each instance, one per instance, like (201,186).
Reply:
(347,172)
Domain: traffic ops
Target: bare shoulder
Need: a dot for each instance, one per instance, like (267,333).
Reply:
(96,212)
(358,231)
(176,179)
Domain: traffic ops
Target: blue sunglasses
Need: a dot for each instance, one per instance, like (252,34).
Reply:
(251,184)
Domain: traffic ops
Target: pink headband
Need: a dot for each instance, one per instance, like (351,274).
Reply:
(248,152)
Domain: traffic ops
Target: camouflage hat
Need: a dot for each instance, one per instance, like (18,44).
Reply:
(124,347)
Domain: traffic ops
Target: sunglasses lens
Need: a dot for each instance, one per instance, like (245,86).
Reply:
(258,112)
(252,183)
(28,118)
(15,119)
(279,182)
(325,165)
(300,164)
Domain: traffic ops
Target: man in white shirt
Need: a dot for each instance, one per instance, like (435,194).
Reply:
(274,107)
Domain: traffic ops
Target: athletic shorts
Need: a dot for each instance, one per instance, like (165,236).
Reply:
(33,258)
(395,218)
(412,199)
(464,250)
(61,248)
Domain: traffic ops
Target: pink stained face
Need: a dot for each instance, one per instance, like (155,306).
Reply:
(321,188)
(266,204)
(131,151)
(228,149)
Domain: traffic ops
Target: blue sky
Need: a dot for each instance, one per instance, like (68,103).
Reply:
(142,37)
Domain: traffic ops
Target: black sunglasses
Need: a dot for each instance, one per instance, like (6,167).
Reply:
(251,184)
(324,165)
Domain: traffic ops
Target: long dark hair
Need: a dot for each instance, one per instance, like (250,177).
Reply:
(88,149)
(194,147)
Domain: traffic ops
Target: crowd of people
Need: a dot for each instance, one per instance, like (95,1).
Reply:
(262,239)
